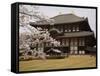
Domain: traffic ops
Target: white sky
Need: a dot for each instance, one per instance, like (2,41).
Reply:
(51,11)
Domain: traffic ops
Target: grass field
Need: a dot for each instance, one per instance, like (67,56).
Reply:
(73,61)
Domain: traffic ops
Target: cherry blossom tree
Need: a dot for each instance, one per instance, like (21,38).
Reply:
(30,36)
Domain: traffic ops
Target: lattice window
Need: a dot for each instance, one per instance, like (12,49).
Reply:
(63,42)
(73,29)
(67,42)
(77,28)
(75,42)
(71,42)
(81,42)
(66,28)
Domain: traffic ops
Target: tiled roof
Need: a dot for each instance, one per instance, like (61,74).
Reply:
(59,19)
(67,18)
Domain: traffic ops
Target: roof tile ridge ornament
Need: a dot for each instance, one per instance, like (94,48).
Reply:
(60,13)
(86,18)
(72,12)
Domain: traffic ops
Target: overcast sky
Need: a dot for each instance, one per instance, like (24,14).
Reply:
(51,11)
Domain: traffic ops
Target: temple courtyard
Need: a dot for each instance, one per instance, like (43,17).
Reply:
(73,61)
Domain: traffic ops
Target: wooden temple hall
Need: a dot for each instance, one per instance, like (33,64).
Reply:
(73,32)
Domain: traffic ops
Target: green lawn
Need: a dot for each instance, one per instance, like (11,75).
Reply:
(73,61)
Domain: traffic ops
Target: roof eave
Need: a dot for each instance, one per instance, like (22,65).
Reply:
(33,24)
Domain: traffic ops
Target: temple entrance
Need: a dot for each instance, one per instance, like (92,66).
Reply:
(73,50)
(73,46)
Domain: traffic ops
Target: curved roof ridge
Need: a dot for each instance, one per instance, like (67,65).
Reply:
(66,15)
(67,18)
(64,18)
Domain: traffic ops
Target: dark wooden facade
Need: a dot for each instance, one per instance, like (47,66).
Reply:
(74,34)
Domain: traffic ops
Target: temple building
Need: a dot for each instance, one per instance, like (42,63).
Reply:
(73,33)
